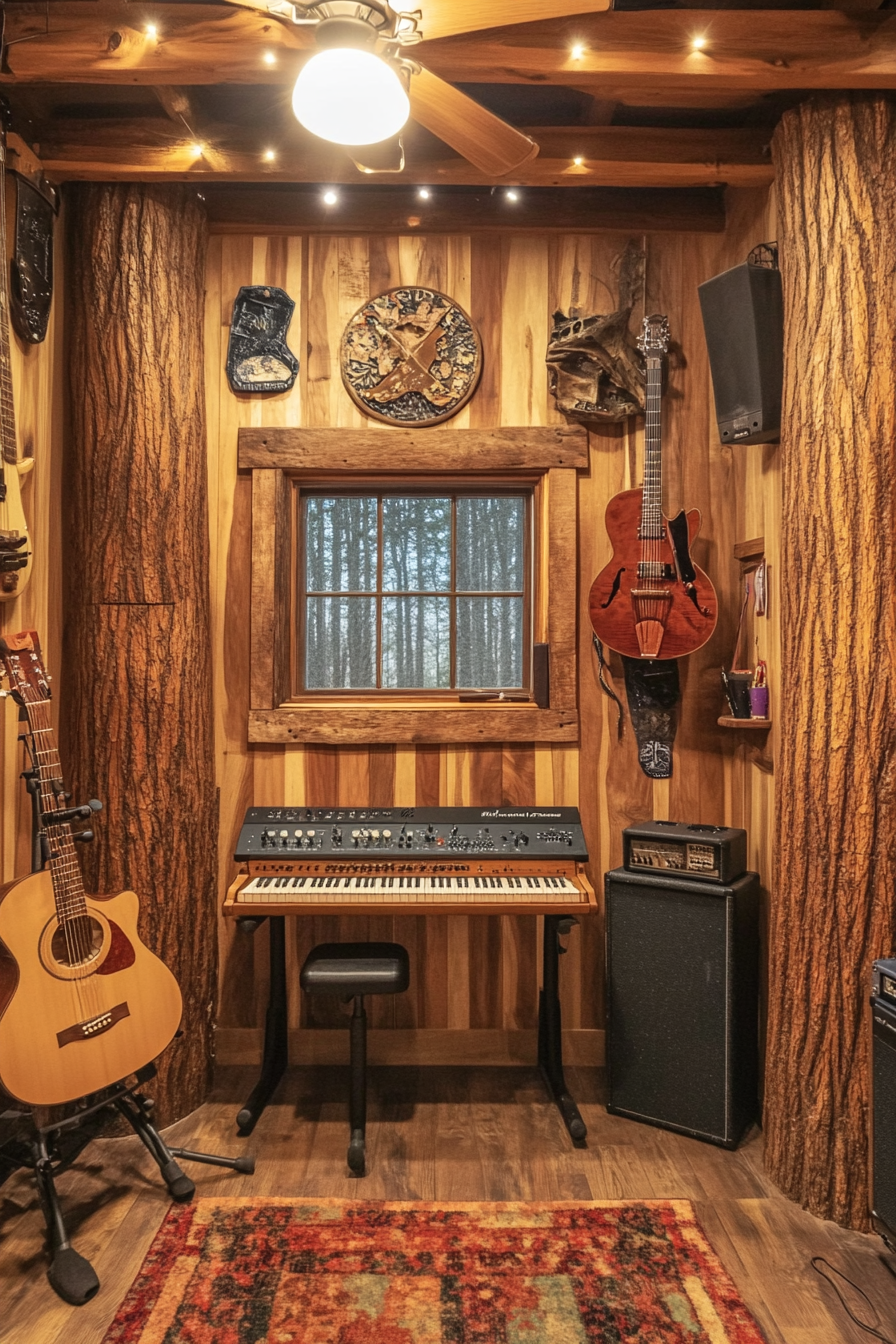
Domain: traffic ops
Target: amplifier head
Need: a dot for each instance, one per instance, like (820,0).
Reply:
(685,849)
(883,979)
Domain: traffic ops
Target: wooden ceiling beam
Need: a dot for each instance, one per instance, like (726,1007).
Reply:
(232,209)
(70,41)
(759,51)
(153,149)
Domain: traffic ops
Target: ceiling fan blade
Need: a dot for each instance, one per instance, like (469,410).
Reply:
(487,141)
(446,18)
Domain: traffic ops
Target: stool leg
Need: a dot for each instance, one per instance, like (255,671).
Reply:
(358,1099)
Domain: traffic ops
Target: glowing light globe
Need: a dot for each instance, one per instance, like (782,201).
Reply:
(350,97)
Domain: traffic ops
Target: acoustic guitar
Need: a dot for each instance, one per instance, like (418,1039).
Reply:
(83,1003)
(15,543)
(651,600)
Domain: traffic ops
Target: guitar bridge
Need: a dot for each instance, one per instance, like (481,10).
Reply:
(651,607)
(94,1026)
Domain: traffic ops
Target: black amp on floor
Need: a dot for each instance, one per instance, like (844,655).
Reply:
(683,981)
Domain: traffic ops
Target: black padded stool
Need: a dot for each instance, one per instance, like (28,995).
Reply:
(352,970)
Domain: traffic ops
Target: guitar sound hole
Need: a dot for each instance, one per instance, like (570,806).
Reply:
(77,942)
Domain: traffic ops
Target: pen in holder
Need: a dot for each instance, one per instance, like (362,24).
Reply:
(737,691)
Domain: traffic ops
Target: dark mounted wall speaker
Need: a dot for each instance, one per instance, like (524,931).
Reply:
(683,1003)
(743,318)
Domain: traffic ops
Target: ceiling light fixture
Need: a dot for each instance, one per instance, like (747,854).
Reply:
(152,31)
(512,195)
(196,151)
(330,198)
(346,93)
(269,58)
(698,43)
(424,193)
(578,160)
(577,52)
(270,155)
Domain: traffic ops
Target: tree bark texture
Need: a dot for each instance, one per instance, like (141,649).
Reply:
(137,678)
(834,898)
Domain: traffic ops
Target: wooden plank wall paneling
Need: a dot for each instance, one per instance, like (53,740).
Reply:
(37,379)
(481,972)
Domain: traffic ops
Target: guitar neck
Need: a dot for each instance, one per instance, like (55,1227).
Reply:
(8,451)
(652,498)
(65,869)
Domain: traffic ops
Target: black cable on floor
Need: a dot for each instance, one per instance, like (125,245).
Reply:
(820,1260)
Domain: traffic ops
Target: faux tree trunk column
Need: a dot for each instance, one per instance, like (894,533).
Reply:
(834,896)
(136,680)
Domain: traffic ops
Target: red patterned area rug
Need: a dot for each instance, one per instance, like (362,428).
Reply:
(332,1271)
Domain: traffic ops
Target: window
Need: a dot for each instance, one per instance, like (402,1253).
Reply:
(403,583)
(423,591)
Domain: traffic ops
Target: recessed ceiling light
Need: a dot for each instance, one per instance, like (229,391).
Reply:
(269,58)
(512,195)
(270,155)
(698,43)
(152,31)
(196,150)
(424,193)
(578,160)
(577,52)
(413,221)
(330,197)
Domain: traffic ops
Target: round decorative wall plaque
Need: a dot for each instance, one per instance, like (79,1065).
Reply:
(411,356)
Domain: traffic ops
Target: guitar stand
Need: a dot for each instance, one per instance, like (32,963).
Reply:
(70,1275)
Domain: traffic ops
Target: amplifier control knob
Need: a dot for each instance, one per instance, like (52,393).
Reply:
(387,836)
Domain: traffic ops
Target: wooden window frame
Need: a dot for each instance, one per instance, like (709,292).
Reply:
(544,458)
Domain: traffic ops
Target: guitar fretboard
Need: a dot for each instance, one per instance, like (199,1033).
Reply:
(65,869)
(652,498)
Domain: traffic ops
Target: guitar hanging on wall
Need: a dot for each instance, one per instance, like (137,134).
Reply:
(651,600)
(83,1003)
(15,543)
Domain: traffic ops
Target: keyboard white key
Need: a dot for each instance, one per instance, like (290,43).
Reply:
(423,889)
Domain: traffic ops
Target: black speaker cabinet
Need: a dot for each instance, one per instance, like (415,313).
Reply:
(883,1115)
(743,317)
(683,1003)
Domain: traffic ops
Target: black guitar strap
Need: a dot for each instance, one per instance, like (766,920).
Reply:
(653,691)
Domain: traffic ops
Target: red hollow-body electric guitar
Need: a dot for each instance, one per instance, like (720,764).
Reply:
(651,600)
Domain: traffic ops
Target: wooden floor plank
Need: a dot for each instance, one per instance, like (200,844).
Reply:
(438,1134)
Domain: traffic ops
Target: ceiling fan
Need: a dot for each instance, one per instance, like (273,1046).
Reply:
(356,37)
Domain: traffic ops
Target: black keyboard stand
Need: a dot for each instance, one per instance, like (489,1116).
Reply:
(275,1055)
(550,1041)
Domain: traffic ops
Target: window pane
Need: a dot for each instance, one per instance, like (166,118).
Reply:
(490,544)
(340,544)
(340,643)
(489,641)
(416,545)
(416,642)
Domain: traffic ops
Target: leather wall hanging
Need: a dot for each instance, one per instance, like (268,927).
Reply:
(258,358)
(31,269)
(411,356)
(594,367)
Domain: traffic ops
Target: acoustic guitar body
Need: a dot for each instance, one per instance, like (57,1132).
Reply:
(686,611)
(90,1004)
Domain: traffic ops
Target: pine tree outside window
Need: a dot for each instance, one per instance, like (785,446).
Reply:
(414,591)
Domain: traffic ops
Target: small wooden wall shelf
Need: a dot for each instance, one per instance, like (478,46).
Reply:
(729,721)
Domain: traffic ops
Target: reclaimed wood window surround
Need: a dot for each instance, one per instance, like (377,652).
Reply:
(283,461)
